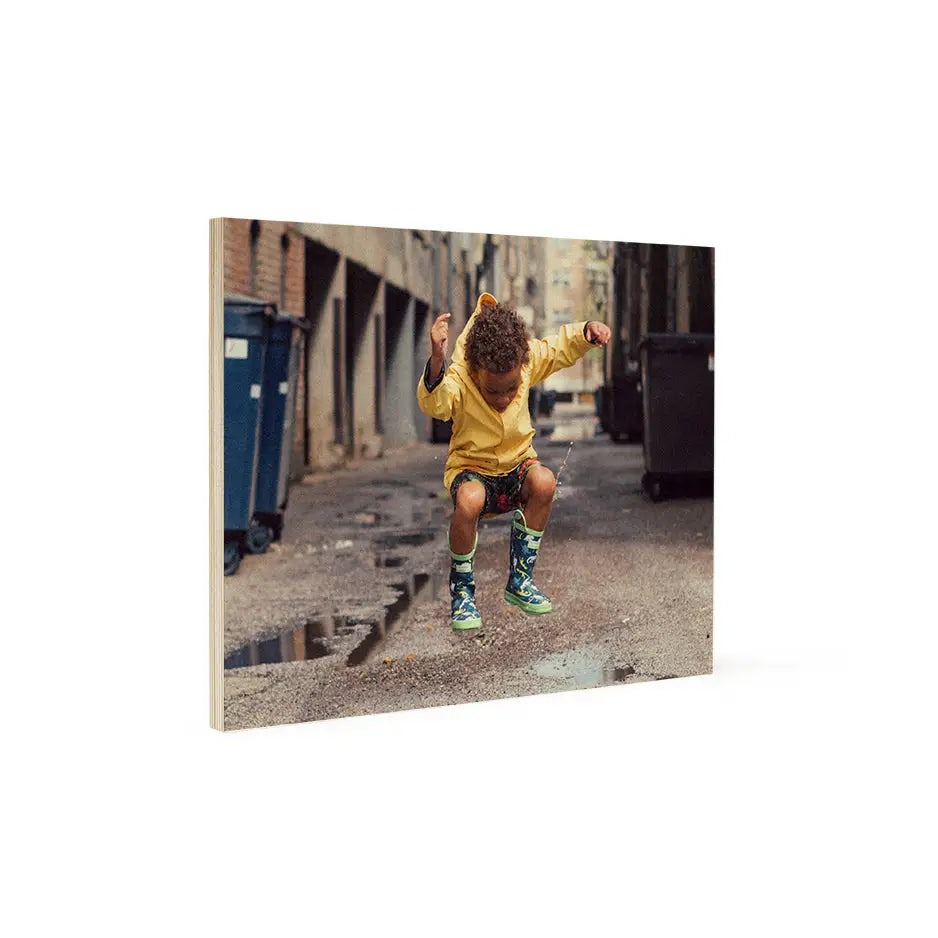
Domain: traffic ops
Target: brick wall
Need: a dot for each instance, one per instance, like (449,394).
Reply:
(268,262)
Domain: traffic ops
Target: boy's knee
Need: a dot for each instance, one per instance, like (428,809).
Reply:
(541,483)
(470,498)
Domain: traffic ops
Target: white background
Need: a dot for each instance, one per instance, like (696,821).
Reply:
(792,792)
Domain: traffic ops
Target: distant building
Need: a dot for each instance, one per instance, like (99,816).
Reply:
(579,287)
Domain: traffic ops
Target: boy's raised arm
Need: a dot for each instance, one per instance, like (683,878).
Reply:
(561,351)
(436,391)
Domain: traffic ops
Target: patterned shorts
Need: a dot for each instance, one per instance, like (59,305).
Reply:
(502,493)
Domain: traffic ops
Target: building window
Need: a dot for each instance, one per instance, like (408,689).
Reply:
(252,257)
(284,248)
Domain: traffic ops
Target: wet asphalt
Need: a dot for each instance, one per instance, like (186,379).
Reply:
(348,614)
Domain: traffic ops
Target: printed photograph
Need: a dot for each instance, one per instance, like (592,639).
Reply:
(457,467)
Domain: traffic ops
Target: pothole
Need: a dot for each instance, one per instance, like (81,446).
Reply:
(583,667)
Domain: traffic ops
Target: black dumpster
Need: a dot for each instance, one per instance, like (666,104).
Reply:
(546,402)
(677,399)
(624,406)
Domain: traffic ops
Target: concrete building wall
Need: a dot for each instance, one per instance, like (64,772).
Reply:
(401,257)
(420,352)
(522,279)
(682,288)
(402,367)
(365,318)
(325,311)
(460,263)
(400,271)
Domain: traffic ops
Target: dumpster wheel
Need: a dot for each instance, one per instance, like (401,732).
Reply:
(232,557)
(652,486)
(258,538)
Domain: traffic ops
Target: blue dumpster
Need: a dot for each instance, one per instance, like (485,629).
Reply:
(247,325)
(281,371)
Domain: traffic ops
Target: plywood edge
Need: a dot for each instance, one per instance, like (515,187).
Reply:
(216,473)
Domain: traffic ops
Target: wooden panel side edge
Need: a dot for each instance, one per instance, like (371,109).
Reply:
(216,469)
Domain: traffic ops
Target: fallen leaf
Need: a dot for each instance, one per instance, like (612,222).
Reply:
(410,657)
(387,660)
(429,628)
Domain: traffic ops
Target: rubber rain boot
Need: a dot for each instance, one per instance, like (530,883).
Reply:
(462,591)
(522,553)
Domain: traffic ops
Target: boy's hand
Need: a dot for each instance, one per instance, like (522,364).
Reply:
(439,336)
(439,340)
(598,333)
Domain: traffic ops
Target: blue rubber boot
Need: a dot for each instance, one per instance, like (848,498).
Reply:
(523,549)
(462,591)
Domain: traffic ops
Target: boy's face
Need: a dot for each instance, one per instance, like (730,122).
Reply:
(498,390)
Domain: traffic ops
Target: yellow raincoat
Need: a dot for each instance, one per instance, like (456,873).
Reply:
(484,440)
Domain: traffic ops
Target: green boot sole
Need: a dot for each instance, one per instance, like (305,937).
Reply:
(534,609)
(463,625)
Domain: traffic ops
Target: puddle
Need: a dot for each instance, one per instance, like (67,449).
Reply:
(309,641)
(388,561)
(576,428)
(316,638)
(429,513)
(583,667)
(421,514)
(405,538)
(419,588)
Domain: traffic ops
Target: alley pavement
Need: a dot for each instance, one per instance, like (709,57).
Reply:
(348,613)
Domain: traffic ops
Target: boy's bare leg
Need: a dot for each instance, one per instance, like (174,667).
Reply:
(470,501)
(537,496)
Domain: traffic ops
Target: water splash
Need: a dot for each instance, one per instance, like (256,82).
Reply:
(560,470)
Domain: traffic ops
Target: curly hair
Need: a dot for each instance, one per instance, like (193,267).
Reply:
(497,341)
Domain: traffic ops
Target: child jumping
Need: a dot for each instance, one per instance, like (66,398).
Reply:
(492,467)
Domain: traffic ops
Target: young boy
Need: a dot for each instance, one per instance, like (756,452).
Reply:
(492,467)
